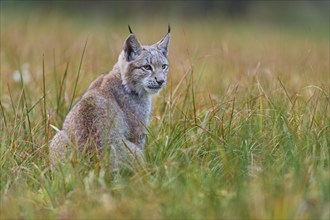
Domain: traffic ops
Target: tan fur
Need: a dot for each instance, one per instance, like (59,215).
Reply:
(114,111)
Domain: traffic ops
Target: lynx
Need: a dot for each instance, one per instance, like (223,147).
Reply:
(114,111)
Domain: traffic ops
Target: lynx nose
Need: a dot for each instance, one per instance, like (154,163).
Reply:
(160,82)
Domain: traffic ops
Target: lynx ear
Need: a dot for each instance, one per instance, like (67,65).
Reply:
(163,43)
(132,47)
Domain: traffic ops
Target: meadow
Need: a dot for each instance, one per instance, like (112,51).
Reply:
(240,131)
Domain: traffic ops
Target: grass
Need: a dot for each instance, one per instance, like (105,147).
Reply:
(241,130)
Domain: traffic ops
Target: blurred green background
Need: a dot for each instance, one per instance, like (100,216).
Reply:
(298,14)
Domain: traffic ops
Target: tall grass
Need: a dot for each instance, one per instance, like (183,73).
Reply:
(241,130)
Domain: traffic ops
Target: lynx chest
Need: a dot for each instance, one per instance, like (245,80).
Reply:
(136,112)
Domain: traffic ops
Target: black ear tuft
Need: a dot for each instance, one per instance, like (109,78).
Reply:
(130,30)
(169,29)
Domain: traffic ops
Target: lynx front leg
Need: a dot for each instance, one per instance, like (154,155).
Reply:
(126,152)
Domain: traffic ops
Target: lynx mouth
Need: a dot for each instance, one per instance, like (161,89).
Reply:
(154,87)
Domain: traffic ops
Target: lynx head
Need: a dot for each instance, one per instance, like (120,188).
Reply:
(144,68)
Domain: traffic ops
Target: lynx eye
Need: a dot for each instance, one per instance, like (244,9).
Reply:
(164,66)
(147,67)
